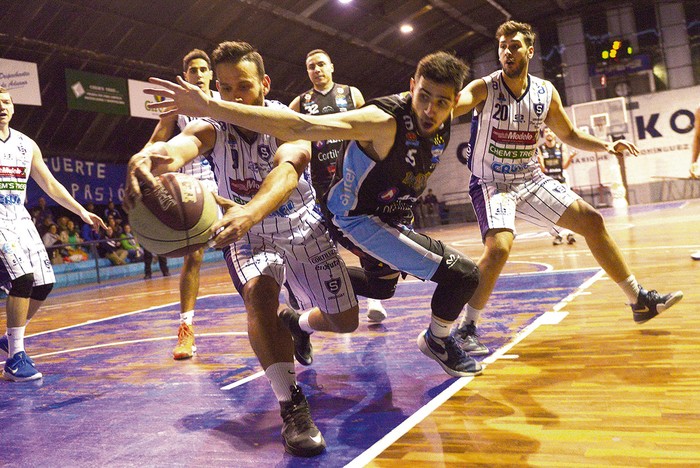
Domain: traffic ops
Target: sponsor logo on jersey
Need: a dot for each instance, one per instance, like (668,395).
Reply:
(509,153)
(323,256)
(265,152)
(307,97)
(244,188)
(513,137)
(327,110)
(328,265)
(319,144)
(285,210)
(501,97)
(13,171)
(331,155)
(333,285)
(9,247)
(339,90)
(21,186)
(388,196)
(518,118)
(539,108)
(503,168)
(417,182)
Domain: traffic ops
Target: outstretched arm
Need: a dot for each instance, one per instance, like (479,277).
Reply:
(471,97)
(559,122)
(290,161)
(694,170)
(367,124)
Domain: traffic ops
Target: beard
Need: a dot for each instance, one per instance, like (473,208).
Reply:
(516,72)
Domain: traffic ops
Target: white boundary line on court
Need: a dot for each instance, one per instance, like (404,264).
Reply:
(142,340)
(399,431)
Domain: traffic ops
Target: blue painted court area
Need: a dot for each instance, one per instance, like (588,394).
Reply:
(112,395)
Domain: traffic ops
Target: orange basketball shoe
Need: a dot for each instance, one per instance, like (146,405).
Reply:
(185,348)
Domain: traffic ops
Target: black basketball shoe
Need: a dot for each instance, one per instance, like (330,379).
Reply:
(651,303)
(301,436)
(303,350)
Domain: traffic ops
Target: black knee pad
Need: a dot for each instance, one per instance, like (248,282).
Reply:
(40,293)
(457,278)
(383,288)
(22,286)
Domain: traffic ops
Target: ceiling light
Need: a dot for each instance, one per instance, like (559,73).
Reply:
(406,28)
(345,1)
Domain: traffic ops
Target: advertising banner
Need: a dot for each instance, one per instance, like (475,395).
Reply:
(96,93)
(138,100)
(21,79)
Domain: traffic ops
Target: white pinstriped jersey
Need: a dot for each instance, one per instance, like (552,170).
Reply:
(15,164)
(21,248)
(199,167)
(240,168)
(504,134)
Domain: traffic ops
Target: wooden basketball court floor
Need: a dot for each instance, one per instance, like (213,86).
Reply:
(572,380)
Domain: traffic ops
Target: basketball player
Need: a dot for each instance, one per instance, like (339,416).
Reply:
(197,70)
(511,106)
(270,228)
(694,164)
(26,268)
(392,146)
(554,157)
(327,97)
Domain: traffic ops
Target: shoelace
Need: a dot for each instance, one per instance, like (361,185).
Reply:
(469,330)
(300,416)
(185,333)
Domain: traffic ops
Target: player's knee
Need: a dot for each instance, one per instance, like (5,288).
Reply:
(346,321)
(40,293)
(459,273)
(383,288)
(22,286)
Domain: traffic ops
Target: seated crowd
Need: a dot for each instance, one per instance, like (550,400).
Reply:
(68,243)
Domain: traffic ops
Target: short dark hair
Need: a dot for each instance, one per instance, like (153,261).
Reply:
(194,54)
(511,27)
(238,51)
(443,68)
(318,51)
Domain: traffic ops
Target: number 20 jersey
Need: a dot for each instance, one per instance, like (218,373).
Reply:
(504,135)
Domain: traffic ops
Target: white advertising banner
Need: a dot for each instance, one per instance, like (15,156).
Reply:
(22,80)
(661,125)
(138,100)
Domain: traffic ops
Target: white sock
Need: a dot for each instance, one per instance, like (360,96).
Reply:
(470,315)
(187,317)
(631,288)
(15,340)
(374,304)
(304,322)
(439,328)
(282,379)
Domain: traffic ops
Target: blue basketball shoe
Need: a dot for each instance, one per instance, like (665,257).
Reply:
(5,347)
(19,368)
(448,354)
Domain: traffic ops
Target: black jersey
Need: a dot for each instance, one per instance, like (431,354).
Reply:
(553,161)
(388,188)
(324,154)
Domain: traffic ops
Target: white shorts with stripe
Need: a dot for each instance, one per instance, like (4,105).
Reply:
(540,200)
(313,268)
(22,252)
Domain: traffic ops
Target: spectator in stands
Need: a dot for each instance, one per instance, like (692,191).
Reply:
(116,227)
(70,236)
(44,210)
(45,225)
(430,202)
(112,211)
(89,234)
(51,238)
(111,248)
(130,244)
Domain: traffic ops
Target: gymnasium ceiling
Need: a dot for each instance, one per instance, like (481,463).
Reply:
(141,38)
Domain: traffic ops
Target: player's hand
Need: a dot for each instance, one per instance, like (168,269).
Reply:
(235,223)
(139,174)
(93,220)
(620,146)
(180,98)
(695,170)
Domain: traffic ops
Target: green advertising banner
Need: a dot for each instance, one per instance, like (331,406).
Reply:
(97,93)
